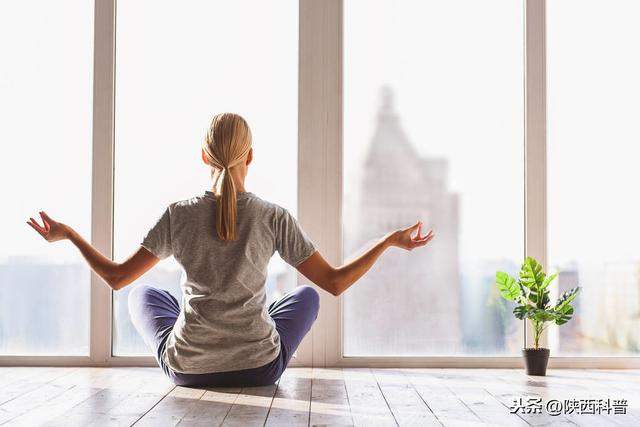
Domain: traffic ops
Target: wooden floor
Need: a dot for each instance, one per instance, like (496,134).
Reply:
(364,397)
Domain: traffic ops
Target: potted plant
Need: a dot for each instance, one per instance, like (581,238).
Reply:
(531,294)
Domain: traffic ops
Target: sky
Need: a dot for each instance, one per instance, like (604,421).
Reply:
(45,122)
(456,72)
(593,136)
(455,68)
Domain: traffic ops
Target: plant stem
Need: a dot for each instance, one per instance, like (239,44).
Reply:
(538,327)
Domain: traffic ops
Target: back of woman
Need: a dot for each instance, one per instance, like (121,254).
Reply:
(223,323)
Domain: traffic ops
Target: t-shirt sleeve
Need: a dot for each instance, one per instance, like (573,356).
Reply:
(158,238)
(292,243)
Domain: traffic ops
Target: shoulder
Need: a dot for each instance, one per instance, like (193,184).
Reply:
(184,208)
(267,207)
(186,204)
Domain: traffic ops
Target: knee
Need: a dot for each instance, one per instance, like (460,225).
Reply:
(311,298)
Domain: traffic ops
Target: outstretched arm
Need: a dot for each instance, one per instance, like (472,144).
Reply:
(116,275)
(337,280)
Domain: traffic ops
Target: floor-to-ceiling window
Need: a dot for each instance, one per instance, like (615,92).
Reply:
(433,104)
(191,61)
(593,150)
(45,135)
(433,130)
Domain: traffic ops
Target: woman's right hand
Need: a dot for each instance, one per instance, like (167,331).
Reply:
(406,239)
(51,230)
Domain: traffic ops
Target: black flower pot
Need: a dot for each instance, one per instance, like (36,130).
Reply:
(535,360)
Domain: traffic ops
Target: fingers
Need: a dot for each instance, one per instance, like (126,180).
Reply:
(423,238)
(427,239)
(421,243)
(429,235)
(33,224)
(418,243)
(45,220)
(413,227)
(44,215)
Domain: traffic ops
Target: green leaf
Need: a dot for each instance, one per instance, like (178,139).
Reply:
(524,291)
(531,274)
(539,298)
(540,315)
(548,280)
(522,311)
(507,286)
(567,297)
(563,315)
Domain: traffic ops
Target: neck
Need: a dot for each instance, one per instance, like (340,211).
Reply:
(238,180)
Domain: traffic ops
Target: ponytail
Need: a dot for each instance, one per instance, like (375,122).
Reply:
(226,145)
(226,208)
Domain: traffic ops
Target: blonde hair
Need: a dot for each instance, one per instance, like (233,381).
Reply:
(226,145)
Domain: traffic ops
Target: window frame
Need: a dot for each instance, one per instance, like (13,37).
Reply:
(320,118)
(321,54)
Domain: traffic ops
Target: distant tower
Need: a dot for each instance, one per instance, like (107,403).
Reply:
(409,302)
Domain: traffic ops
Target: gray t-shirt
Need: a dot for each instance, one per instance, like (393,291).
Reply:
(223,323)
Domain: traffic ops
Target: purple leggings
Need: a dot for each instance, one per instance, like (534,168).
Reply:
(154,312)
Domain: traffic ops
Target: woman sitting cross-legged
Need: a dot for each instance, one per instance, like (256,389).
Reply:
(224,334)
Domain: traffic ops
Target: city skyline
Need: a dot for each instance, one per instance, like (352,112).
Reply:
(468,317)
(399,186)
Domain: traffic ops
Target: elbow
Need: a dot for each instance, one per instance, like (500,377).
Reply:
(116,285)
(335,285)
(116,281)
(333,289)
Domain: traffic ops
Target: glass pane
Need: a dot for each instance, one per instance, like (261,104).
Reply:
(174,72)
(433,96)
(593,136)
(46,106)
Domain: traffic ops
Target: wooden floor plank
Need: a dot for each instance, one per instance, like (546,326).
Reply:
(155,386)
(9,375)
(292,401)
(329,399)
(251,406)
(121,386)
(366,401)
(31,395)
(212,408)
(172,408)
(567,384)
(28,380)
(450,410)
(469,387)
(406,405)
(381,397)
(590,384)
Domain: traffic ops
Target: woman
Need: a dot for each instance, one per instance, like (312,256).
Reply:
(224,335)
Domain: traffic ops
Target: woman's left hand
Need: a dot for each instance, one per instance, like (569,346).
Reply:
(51,230)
